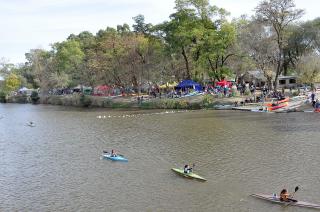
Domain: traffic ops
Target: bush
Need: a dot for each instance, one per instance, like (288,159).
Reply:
(195,106)
(21,99)
(183,104)
(85,100)
(107,103)
(34,97)
(207,100)
(149,105)
(3,96)
(295,93)
(120,105)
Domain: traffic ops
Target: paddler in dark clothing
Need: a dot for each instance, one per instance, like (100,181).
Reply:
(187,169)
(317,104)
(285,196)
(313,96)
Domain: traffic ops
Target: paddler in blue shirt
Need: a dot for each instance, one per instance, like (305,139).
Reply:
(187,169)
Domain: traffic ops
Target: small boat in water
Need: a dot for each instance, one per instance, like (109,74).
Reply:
(115,158)
(276,199)
(188,175)
(31,124)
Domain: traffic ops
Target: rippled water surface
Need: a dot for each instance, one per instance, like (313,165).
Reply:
(56,165)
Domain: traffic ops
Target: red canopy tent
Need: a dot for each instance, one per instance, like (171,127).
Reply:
(101,90)
(224,83)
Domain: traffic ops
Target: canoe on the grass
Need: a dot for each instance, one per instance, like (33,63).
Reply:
(276,199)
(189,175)
(115,158)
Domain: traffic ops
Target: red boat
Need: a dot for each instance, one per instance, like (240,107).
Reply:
(275,107)
(278,102)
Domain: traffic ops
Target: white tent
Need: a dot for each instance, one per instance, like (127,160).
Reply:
(24,89)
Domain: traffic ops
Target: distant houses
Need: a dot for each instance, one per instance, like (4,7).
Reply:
(257,77)
(287,82)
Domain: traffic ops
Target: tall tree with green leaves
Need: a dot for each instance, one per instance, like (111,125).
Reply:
(179,35)
(40,64)
(140,26)
(278,14)
(68,59)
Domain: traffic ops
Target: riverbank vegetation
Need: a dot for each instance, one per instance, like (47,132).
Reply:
(198,42)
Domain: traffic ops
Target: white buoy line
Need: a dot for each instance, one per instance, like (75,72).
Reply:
(142,114)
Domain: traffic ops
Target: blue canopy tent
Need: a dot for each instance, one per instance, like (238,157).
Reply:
(189,84)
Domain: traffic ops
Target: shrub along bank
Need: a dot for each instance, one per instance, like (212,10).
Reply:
(193,103)
(93,101)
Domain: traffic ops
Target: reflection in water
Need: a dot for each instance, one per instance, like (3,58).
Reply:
(56,165)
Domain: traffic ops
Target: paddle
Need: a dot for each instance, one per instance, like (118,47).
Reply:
(295,190)
(291,195)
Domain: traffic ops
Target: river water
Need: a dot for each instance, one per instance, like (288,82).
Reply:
(56,165)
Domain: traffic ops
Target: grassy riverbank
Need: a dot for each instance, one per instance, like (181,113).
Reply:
(194,102)
(206,101)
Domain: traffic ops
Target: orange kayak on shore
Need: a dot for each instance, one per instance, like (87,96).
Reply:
(285,104)
(278,102)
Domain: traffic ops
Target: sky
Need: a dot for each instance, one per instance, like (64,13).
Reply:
(30,24)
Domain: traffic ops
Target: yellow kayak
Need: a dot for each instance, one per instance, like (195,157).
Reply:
(189,175)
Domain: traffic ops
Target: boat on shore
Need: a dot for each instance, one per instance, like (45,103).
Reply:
(276,199)
(277,102)
(277,106)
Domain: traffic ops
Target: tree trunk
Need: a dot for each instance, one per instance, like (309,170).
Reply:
(187,63)
(278,71)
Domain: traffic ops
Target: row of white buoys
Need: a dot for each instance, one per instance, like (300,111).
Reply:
(140,114)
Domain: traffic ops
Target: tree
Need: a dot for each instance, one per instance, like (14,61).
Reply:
(257,42)
(140,26)
(215,48)
(40,64)
(308,69)
(12,82)
(202,35)
(179,35)
(5,67)
(278,14)
(69,57)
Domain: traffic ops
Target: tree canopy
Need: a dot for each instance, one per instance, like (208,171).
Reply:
(196,42)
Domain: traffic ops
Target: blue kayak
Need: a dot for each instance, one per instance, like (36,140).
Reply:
(115,158)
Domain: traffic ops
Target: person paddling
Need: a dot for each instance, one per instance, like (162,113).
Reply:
(113,153)
(285,196)
(187,169)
